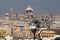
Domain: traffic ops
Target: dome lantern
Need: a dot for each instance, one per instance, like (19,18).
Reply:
(29,9)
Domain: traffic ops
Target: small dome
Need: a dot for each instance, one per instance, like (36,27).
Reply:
(29,8)
(6,13)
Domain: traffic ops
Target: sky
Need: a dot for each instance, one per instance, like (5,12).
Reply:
(41,7)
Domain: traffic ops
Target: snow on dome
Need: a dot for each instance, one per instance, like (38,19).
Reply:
(6,13)
(29,8)
(32,27)
(45,38)
(55,36)
(49,31)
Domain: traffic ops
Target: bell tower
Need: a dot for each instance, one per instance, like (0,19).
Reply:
(11,13)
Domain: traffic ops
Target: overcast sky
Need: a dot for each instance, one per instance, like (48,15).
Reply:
(40,6)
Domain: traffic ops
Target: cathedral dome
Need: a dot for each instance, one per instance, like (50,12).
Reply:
(29,8)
